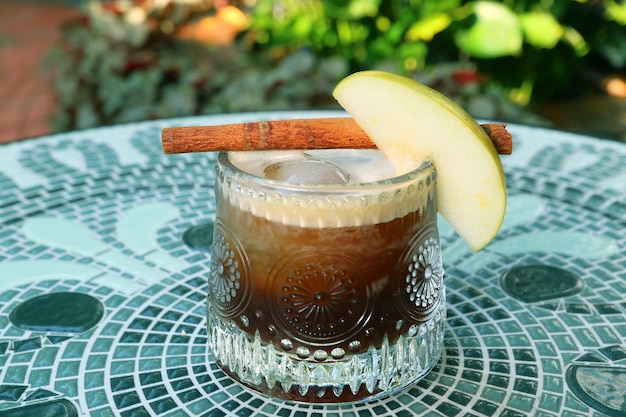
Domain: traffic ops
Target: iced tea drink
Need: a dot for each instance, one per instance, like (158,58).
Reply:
(326,280)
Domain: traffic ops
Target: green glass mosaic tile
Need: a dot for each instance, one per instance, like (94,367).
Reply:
(16,374)
(12,393)
(176,361)
(110,329)
(154,289)
(67,368)
(177,350)
(494,394)
(553,383)
(621,329)
(68,387)
(165,300)
(575,405)
(114,300)
(152,350)
(163,405)
(94,379)
(607,335)
(157,391)
(198,359)
(158,326)
(574,320)
(74,350)
(184,305)
(200,406)
(122,383)
(546,349)
(150,364)
(96,398)
(40,377)
(121,367)
(131,337)
(123,314)
(13,333)
(95,362)
(137,301)
(565,342)
(551,402)
(496,341)
(102,344)
(487,408)
(190,395)
(25,357)
(126,400)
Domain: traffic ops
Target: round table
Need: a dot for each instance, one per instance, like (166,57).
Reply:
(105,250)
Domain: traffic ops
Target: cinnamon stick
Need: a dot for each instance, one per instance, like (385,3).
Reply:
(328,133)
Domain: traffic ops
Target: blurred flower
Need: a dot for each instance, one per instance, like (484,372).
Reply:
(135,16)
(467,76)
(615,86)
(221,29)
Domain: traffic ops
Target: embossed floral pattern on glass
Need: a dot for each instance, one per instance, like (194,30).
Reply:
(425,275)
(228,276)
(225,273)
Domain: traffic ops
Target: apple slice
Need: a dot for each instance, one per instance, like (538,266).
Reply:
(410,122)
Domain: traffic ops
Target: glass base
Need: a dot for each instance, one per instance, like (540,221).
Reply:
(377,372)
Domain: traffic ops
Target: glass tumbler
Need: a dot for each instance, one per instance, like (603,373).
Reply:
(325,293)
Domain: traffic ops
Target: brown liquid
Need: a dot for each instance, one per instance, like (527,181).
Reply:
(319,293)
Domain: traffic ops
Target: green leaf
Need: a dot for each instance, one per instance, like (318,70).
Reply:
(427,28)
(495,33)
(363,8)
(616,11)
(541,29)
(349,9)
(576,40)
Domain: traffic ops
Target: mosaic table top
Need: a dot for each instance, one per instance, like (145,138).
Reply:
(104,256)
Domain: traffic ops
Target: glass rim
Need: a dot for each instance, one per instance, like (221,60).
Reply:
(228,166)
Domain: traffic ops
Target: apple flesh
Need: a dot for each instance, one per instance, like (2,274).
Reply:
(410,122)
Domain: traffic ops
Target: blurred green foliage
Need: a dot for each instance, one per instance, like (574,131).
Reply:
(532,49)
(126,61)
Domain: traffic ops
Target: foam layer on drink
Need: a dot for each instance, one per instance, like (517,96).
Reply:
(323,188)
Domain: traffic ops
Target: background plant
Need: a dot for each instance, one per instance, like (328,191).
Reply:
(532,49)
(128,60)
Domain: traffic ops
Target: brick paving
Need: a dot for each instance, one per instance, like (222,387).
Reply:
(27,31)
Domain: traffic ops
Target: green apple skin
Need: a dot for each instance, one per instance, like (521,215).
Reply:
(410,122)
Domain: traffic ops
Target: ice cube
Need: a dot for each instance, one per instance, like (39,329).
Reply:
(363,165)
(308,171)
(254,162)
